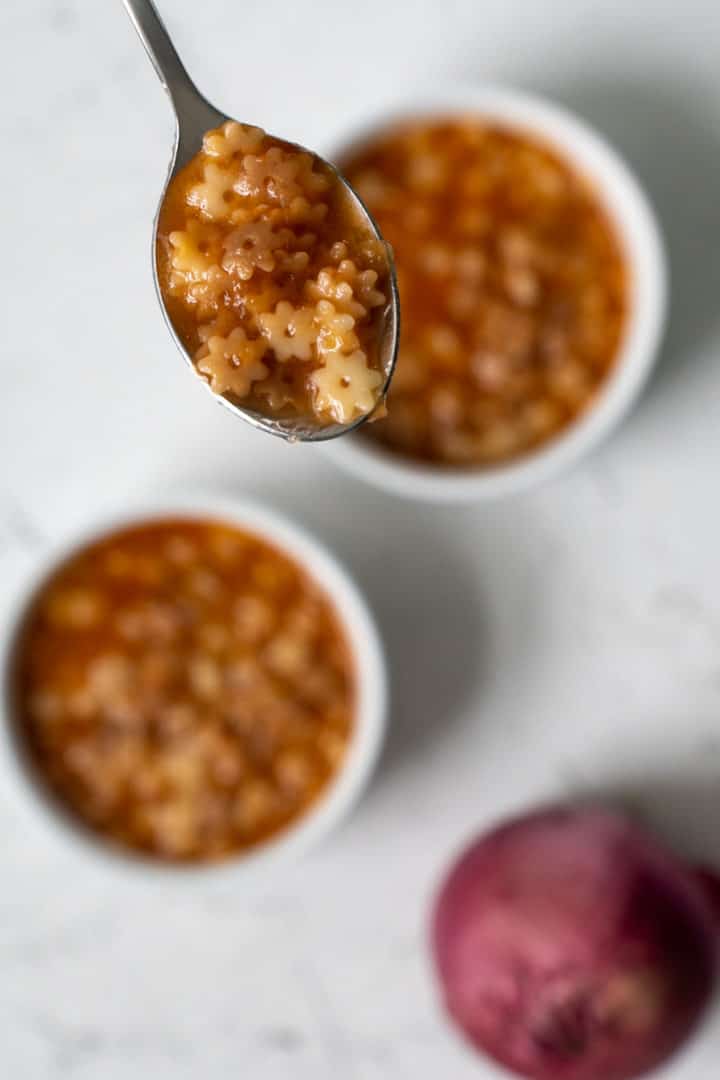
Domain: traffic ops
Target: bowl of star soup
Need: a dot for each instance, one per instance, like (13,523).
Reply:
(532,287)
(198,684)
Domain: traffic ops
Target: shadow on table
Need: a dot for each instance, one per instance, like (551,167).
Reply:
(421,590)
(433,626)
(681,801)
(668,133)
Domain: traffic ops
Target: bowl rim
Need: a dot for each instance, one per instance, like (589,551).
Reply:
(37,805)
(628,206)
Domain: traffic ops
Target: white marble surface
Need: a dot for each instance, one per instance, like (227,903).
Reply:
(566,640)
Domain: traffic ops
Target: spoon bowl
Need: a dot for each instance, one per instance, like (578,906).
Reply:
(194,117)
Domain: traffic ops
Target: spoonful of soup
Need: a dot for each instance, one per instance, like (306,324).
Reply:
(273,277)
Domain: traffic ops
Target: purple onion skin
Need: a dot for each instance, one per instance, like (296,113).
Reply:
(571,945)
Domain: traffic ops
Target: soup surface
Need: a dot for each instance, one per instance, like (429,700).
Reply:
(513,288)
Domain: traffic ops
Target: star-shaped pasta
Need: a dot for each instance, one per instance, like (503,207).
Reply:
(232,364)
(213,195)
(345,387)
(363,282)
(302,212)
(233,138)
(332,286)
(204,296)
(252,247)
(219,327)
(195,275)
(334,329)
(281,175)
(195,249)
(293,262)
(298,212)
(289,331)
(278,389)
(350,290)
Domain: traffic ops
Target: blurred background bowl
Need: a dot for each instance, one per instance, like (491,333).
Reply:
(639,235)
(19,776)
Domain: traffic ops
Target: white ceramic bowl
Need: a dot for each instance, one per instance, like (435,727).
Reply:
(19,778)
(639,234)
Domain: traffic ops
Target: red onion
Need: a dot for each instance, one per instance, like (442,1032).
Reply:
(572,946)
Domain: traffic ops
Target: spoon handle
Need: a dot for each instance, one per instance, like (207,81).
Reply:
(195,115)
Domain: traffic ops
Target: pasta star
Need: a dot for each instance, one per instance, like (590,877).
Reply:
(233,138)
(191,249)
(288,331)
(232,364)
(335,329)
(280,175)
(252,247)
(345,386)
(213,194)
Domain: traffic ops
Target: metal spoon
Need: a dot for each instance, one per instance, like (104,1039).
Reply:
(194,117)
